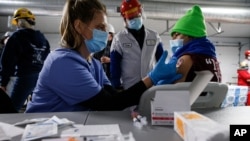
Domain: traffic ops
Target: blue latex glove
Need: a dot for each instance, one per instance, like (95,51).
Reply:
(163,71)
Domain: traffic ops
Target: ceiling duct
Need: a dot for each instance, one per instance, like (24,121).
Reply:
(167,10)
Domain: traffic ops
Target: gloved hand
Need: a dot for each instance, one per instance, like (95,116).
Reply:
(163,71)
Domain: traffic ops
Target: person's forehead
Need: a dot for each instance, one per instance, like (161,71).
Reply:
(133,15)
(99,19)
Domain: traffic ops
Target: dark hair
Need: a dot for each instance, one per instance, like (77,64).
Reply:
(84,10)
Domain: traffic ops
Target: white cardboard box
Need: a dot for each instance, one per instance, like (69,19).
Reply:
(163,109)
(166,102)
(192,126)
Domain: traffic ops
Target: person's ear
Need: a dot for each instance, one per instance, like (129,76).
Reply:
(77,25)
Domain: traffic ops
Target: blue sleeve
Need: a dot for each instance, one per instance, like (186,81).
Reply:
(115,68)
(100,74)
(159,51)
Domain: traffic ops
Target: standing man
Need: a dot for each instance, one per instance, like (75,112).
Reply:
(134,50)
(104,55)
(23,56)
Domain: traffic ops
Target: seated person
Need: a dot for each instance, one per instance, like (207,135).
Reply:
(192,48)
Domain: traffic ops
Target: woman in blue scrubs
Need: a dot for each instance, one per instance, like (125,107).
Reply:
(71,80)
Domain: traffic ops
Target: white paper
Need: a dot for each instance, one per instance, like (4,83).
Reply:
(30,121)
(3,136)
(58,121)
(92,130)
(11,130)
(37,131)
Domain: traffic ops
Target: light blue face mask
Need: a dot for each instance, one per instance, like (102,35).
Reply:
(176,44)
(135,23)
(98,41)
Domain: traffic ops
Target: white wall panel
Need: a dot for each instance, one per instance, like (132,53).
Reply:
(228,58)
(54,40)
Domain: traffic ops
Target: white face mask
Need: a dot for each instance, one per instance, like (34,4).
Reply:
(176,44)
(98,41)
(135,23)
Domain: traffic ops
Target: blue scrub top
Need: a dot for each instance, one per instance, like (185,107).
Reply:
(66,79)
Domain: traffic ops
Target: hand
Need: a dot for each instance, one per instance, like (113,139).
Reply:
(105,59)
(163,71)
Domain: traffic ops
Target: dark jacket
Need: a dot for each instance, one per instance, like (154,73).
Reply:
(23,54)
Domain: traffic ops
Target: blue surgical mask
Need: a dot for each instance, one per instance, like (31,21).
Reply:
(98,41)
(176,44)
(135,23)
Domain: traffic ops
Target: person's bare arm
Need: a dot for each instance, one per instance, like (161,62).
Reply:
(183,66)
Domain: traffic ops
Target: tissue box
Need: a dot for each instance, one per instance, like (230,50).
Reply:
(166,103)
(228,101)
(192,126)
(240,95)
(236,96)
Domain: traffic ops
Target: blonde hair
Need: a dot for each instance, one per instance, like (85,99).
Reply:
(84,10)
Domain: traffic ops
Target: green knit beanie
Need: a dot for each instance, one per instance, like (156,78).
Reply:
(192,23)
